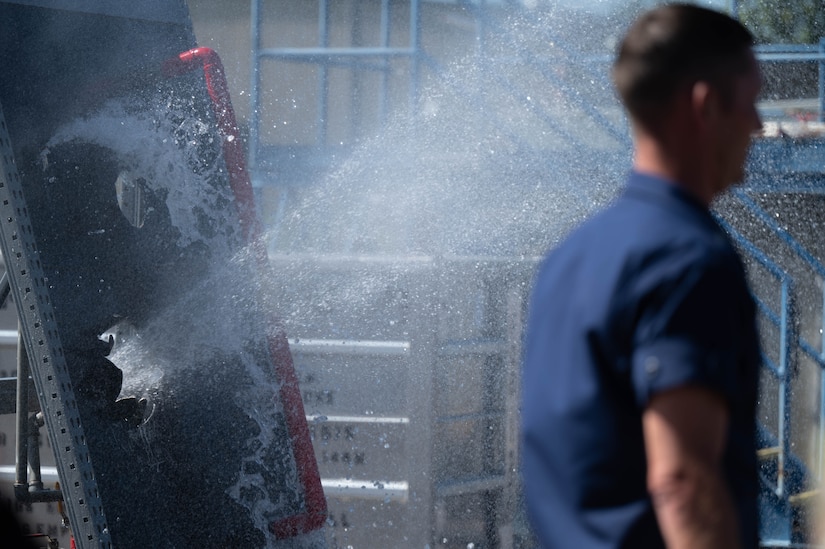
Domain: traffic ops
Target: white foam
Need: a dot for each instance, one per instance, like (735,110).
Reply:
(159,145)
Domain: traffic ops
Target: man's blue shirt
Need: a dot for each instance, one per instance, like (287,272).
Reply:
(647,295)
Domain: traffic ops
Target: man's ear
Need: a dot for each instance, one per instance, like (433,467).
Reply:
(704,102)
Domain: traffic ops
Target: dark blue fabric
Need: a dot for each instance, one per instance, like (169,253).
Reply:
(647,295)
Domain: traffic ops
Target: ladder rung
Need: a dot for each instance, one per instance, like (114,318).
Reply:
(769,452)
(459,487)
(804,497)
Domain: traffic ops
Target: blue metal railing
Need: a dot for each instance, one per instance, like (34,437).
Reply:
(819,270)
(783,320)
(790,346)
(789,53)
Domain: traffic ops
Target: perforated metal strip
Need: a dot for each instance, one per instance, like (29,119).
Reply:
(48,364)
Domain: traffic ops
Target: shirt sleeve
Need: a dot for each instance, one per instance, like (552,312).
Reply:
(689,330)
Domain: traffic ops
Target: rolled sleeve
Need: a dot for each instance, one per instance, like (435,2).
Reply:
(690,330)
(670,363)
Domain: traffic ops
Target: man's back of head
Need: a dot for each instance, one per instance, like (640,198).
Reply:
(670,48)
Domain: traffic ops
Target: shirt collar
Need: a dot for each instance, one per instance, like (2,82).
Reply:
(651,187)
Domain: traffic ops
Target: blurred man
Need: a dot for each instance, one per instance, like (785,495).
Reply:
(641,365)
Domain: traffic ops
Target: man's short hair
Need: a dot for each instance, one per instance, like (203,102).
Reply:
(672,47)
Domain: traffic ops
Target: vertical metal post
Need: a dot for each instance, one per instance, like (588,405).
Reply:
(820,462)
(254,91)
(386,21)
(822,79)
(785,369)
(36,480)
(5,288)
(515,296)
(415,46)
(21,480)
(481,31)
(323,74)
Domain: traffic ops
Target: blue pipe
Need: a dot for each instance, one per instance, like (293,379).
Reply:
(822,80)
(415,45)
(785,358)
(323,74)
(254,90)
(780,232)
(383,107)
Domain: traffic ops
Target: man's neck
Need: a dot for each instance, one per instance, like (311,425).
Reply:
(683,168)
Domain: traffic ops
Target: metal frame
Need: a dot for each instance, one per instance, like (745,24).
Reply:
(363,58)
(378,59)
(772,53)
(40,334)
(27,439)
(789,341)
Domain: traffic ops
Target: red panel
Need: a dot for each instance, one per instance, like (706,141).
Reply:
(315,504)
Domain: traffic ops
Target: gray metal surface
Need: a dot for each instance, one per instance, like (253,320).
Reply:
(48,364)
(166,11)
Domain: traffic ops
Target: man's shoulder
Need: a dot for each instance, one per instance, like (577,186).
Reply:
(632,237)
(633,222)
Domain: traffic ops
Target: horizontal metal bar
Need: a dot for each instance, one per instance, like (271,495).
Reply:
(769,313)
(778,48)
(397,491)
(781,106)
(8,396)
(27,494)
(770,366)
(785,544)
(325,54)
(359,63)
(346,259)
(404,259)
(483,484)
(752,250)
(769,452)
(349,347)
(8,338)
(473,347)
(812,353)
(8,472)
(790,57)
(357,419)
(807,497)
(496,414)
(763,52)
(784,235)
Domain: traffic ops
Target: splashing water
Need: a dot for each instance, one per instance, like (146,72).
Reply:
(506,153)
(201,359)
(221,317)
(463,179)
(160,144)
